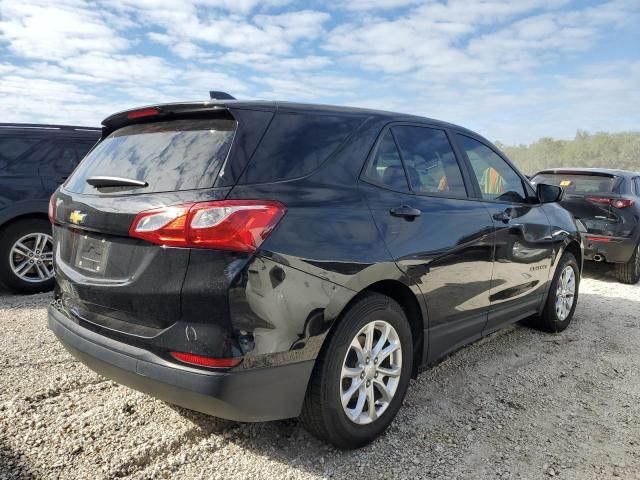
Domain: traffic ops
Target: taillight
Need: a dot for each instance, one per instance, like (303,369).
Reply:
(621,202)
(143,112)
(599,239)
(614,202)
(164,226)
(237,225)
(52,209)
(203,361)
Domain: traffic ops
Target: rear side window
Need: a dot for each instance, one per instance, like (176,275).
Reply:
(12,148)
(297,144)
(497,179)
(578,183)
(60,161)
(169,156)
(637,182)
(385,168)
(429,160)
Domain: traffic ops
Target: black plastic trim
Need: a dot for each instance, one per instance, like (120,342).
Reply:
(257,395)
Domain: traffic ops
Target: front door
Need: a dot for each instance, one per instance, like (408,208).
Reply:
(523,242)
(439,237)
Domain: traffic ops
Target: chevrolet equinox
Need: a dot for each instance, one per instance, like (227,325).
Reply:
(259,261)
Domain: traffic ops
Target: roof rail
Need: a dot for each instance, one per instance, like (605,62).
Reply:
(45,126)
(213,95)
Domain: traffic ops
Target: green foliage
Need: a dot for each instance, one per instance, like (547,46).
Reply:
(605,150)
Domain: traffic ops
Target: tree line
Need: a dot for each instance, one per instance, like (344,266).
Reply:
(606,150)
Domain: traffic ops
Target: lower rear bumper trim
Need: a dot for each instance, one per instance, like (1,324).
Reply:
(264,394)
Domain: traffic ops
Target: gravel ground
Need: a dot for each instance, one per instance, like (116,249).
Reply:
(519,404)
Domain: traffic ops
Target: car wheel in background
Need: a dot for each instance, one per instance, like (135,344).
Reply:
(362,376)
(630,272)
(562,298)
(26,256)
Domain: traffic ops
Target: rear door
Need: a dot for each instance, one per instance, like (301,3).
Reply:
(523,242)
(439,237)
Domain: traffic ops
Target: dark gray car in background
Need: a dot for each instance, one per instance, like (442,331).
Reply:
(34,160)
(607,202)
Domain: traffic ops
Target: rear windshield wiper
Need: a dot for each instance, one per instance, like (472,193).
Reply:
(105,181)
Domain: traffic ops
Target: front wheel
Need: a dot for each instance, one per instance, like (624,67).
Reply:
(630,272)
(362,376)
(562,298)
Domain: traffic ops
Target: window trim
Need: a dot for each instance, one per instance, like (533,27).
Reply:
(466,180)
(526,186)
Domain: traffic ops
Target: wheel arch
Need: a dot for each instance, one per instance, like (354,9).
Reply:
(24,216)
(401,293)
(24,210)
(574,248)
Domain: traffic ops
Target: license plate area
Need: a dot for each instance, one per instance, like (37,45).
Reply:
(92,254)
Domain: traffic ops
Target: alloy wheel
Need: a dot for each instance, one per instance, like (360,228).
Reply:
(565,293)
(371,372)
(31,257)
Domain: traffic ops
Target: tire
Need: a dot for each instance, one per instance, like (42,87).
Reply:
(630,272)
(323,414)
(551,320)
(36,277)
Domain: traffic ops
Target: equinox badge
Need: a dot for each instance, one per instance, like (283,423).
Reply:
(77,217)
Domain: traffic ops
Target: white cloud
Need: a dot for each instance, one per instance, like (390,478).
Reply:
(48,31)
(486,64)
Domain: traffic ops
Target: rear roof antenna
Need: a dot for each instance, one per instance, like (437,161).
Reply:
(220,95)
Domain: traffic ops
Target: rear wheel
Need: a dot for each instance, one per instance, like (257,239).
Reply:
(361,378)
(26,256)
(563,297)
(630,272)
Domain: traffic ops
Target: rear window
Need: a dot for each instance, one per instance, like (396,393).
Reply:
(296,144)
(578,183)
(169,156)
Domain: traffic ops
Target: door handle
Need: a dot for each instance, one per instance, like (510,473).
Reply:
(502,216)
(405,211)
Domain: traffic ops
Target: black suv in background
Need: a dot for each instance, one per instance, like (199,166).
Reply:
(34,160)
(607,202)
(261,260)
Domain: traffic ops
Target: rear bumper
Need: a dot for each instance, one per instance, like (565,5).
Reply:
(613,249)
(255,395)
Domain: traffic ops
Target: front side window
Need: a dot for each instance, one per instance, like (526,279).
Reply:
(385,168)
(431,165)
(497,179)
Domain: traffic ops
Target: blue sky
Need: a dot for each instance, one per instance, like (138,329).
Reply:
(513,71)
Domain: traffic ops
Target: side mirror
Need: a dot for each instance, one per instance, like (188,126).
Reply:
(549,193)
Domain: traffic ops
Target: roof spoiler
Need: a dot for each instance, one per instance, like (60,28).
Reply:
(214,95)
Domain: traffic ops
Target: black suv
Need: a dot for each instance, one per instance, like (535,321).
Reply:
(607,202)
(34,160)
(259,260)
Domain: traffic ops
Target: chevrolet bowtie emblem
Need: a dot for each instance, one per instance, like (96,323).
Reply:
(77,217)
